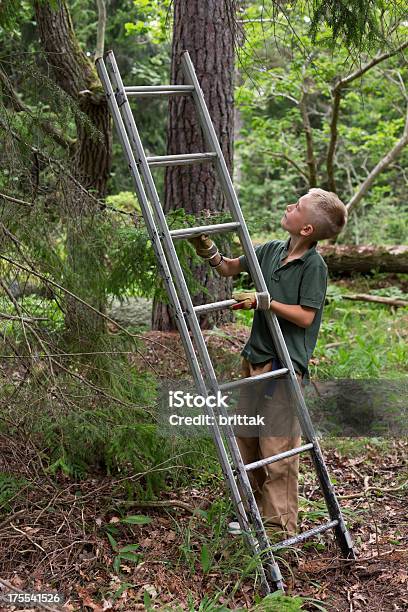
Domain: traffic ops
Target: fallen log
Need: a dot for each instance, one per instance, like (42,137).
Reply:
(344,258)
(367,297)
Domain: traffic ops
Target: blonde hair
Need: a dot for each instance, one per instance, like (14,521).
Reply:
(329,216)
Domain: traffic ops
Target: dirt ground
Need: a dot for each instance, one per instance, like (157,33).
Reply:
(53,535)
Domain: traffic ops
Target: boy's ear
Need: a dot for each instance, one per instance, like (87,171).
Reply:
(307,230)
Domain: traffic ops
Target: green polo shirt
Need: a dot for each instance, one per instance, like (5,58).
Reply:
(300,281)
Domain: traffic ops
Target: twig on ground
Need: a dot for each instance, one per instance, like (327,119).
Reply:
(26,536)
(368,489)
(158,504)
(11,518)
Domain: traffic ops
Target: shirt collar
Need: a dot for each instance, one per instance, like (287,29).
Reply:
(305,255)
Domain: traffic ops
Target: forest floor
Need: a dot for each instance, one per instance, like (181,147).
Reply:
(60,534)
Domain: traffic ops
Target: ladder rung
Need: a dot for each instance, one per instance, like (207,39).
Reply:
(145,91)
(305,535)
(180,160)
(214,306)
(253,379)
(284,455)
(217,228)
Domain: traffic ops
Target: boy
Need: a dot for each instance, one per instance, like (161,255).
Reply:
(296,277)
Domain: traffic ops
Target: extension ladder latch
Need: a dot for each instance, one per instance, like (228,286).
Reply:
(264,300)
(120,97)
(275,572)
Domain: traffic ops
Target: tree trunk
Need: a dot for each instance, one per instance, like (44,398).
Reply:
(203,28)
(91,160)
(344,259)
(377,299)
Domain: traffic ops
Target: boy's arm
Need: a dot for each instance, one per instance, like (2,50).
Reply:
(206,249)
(227,267)
(299,315)
(302,316)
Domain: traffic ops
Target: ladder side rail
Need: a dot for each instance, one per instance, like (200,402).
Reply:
(152,194)
(150,224)
(255,270)
(211,139)
(174,264)
(273,324)
(235,209)
(226,467)
(212,143)
(341,531)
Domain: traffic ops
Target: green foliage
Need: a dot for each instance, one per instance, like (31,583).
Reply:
(106,435)
(123,554)
(9,489)
(137,519)
(205,559)
(10,12)
(366,347)
(152,20)
(282,65)
(357,21)
(132,263)
(276,602)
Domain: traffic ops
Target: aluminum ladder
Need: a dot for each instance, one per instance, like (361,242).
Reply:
(185,314)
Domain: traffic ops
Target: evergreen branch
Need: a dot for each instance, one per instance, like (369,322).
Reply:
(20,107)
(89,384)
(87,305)
(51,161)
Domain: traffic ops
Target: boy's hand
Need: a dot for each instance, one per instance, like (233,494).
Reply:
(204,246)
(250,300)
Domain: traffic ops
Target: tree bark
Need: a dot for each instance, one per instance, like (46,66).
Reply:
(307,128)
(91,160)
(344,259)
(205,29)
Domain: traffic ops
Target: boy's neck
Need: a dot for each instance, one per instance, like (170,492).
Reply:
(299,245)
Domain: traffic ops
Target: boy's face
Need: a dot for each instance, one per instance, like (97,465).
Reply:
(297,216)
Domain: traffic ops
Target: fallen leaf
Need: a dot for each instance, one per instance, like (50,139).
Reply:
(150,589)
(170,536)
(146,542)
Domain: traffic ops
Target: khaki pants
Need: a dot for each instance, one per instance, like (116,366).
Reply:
(275,486)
